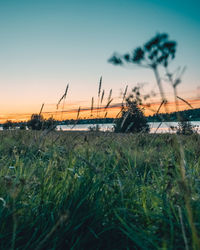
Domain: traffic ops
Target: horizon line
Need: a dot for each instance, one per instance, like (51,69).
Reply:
(149,109)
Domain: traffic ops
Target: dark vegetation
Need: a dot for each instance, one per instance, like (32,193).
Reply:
(154,54)
(187,115)
(132,119)
(37,122)
(98,191)
(8,125)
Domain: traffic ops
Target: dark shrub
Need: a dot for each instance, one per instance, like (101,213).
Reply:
(132,119)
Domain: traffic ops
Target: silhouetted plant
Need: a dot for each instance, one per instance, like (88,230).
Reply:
(158,51)
(36,122)
(132,118)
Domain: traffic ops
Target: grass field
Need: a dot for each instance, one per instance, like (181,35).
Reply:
(85,190)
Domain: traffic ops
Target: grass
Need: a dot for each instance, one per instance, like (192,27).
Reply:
(85,190)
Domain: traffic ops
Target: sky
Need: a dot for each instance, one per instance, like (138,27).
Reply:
(46,44)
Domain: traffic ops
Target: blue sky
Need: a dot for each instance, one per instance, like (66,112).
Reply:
(46,44)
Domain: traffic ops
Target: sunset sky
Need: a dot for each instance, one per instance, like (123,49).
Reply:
(46,44)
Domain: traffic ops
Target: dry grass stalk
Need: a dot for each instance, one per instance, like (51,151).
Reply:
(185,101)
(108,104)
(41,109)
(124,119)
(92,106)
(100,83)
(78,113)
(102,96)
(99,93)
(124,94)
(110,95)
(163,102)
(63,97)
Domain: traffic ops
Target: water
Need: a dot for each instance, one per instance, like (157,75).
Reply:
(86,127)
(165,127)
(154,127)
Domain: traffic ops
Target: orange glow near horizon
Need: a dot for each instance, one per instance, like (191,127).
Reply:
(85,113)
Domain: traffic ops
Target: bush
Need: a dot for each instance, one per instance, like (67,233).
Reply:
(37,122)
(132,119)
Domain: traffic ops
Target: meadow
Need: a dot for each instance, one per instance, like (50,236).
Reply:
(98,190)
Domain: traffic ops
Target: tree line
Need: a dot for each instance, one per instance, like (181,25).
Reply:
(186,115)
(36,122)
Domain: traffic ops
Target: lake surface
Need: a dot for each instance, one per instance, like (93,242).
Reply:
(157,127)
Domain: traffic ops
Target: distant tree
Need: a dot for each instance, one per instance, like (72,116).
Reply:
(8,125)
(36,122)
(132,119)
